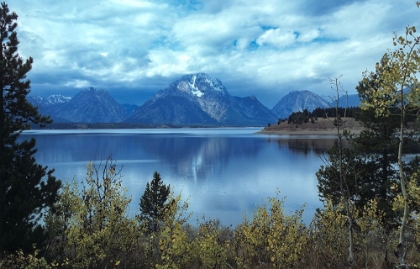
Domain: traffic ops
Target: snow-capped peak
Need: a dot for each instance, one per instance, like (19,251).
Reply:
(200,84)
(56,99)
(37,98)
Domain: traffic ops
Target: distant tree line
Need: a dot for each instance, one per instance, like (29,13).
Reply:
(305,116)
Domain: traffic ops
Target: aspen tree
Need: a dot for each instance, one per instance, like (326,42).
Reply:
(398,88)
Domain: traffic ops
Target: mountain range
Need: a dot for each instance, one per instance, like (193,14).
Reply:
(196,99)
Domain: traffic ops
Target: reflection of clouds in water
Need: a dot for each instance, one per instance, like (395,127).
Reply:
(221,176)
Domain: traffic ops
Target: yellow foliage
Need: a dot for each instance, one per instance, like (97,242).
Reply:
(210,246)
(92,221)
(173,242)
(27,261)
(329,235)
(272,237)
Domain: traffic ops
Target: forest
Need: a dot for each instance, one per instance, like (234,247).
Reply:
(370,192)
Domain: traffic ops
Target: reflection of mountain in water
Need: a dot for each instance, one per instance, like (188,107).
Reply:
(195,158)
(188,156)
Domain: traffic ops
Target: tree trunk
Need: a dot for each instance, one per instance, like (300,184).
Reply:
(401,248)
(343,185)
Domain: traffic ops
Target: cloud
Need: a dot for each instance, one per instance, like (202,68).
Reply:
(308,35)
(322,8)
(265,49)
(277,37)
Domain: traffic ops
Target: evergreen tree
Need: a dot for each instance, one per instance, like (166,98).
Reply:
(153,201)
(26,188)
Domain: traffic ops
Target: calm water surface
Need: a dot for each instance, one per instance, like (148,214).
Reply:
(224,172)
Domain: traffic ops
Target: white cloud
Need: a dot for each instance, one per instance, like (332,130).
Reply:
(77,83)
(308,35)
(167,63)
(133,3)
(357,20)
(243,43)
(277,37)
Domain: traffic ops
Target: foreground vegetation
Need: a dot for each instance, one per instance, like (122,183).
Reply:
(89,227)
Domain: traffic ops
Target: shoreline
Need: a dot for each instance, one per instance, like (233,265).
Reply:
(303,131)
(324,126)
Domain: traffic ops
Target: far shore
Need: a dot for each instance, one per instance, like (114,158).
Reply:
(302,131)
(319,127)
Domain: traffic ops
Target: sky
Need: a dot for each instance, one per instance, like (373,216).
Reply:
(265,48)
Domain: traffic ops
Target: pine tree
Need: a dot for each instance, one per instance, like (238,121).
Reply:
(26,188)
(153,200)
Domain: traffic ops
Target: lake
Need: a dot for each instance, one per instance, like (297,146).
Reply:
(223,172)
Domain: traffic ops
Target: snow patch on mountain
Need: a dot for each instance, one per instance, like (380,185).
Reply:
(200,84)
(56,99)
(194,89)
(48,101)
(35,99)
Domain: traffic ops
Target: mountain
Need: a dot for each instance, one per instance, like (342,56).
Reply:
(49,105)
(50,100)
(35,100)
(129,108)
(298,101)
(199,99)
(88,106)
(56,99)
(352,100)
